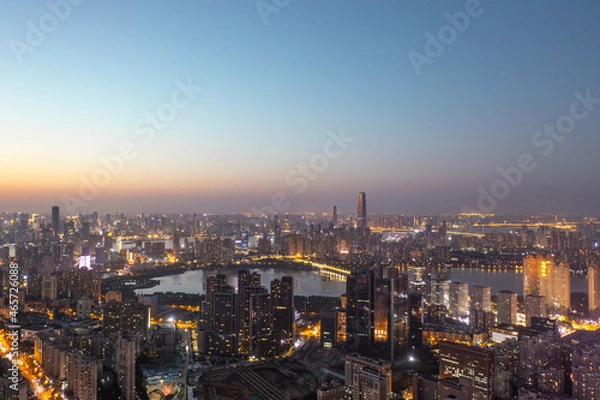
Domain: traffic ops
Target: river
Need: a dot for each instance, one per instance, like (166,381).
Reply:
(307,283)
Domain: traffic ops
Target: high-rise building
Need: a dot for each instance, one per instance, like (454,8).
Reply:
(476,364)
(55,221)
(440,292)
(543,277)
(282,301)
(83,376)
(245,280)
(261,322)
(367,379)
(176,243)
(49,287)
(125,362)
(416,279)
(481,298)
(507,307)
(361,224)
(84,308)
(593,289)
(415,319)
(329,328)
(334,217)
(360,292)
(222,336)
(535,306)
(459,299)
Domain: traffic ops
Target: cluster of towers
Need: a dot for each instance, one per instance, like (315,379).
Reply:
(252,322)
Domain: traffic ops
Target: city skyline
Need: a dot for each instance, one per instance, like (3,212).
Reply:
(240,111)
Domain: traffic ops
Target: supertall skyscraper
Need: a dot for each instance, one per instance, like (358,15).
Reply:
(361,224)
(543,277)
(334,216)
(55,221)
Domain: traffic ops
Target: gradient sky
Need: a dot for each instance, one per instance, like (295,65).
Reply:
(272,92)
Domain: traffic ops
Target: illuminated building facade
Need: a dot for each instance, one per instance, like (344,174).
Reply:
(459,299)
(507,307)
(367,379)
(476,364)
(594,290)
(535,306)
(481,298)
(543,277)
(282,301)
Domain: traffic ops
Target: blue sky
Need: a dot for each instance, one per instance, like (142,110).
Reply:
(270,93)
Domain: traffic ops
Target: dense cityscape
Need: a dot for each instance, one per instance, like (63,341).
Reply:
(78,293)
(300,200)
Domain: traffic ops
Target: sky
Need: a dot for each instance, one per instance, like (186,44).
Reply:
(291,106)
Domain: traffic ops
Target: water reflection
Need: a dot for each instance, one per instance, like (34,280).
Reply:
(323,283)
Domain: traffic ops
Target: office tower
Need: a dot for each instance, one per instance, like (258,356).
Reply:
(476,364)
(593,290)
(390,311)
(329,328)
(535,306)
(282,300)
(459,299)
(440,292)
(334,217)
(481,298)
(543,277)
(222,337)
(362,213)
(415,319)
(507,307)
(367,379)
(55,221)
(359,314)
(382,310)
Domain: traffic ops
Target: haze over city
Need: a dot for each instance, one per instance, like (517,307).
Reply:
(257,93)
